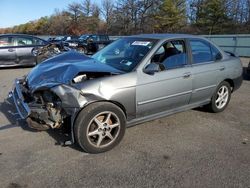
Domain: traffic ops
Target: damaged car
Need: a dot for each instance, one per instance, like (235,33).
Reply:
(48,51)
(133,80)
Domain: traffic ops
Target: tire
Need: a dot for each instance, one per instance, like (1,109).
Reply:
(218,105)
(99,127)
(83,50)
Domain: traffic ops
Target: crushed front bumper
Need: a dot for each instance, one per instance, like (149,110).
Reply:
(22,107)
(25,111)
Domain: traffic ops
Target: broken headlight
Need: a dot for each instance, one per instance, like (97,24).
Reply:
(80,78)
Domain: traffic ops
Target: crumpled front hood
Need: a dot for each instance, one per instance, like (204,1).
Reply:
(63,68)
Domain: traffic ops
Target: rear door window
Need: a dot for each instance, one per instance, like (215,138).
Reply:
(94,38)
(201,51)
(6,42)
(103,38)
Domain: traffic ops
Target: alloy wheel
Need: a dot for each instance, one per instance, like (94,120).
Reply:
(103,129)
(222,97)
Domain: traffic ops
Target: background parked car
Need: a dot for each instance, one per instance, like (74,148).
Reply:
(16,49)
(86,44)
(93,43)
(57,39)
(73,43)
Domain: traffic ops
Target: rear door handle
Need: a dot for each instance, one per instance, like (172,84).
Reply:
(222,68)
(186,75)
(11,50)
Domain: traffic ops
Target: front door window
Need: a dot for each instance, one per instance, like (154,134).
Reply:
(171,55)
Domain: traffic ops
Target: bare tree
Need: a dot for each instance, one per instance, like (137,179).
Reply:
(86,7)
(59,23)
(125,17)
(75,10)
(107,12)
(95,10)
(146,13)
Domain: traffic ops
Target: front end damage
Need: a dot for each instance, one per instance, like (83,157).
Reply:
(53,93)
(50,105)
(42,110)
(47,107)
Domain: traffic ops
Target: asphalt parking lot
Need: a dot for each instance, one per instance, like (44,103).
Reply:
(190,149)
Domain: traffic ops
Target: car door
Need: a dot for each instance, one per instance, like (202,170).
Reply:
(7,51)
(168,89)
(206,68)
(24,46)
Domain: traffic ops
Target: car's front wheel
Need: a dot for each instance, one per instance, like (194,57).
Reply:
(221,97)
(100,127)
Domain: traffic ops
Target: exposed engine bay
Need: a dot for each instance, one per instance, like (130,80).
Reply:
(45,108)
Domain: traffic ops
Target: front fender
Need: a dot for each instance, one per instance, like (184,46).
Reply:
(70,97)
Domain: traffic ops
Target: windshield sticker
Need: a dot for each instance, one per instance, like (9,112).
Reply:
(141,43)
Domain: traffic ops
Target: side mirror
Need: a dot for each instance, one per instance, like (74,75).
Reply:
(218,57)
(152,68)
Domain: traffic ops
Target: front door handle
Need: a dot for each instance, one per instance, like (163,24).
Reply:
(222,68)
(11,50)
(186,75)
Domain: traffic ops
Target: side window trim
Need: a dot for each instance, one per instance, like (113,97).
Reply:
(203,63)
(214,47)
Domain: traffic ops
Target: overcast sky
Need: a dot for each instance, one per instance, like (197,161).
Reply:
(14,12)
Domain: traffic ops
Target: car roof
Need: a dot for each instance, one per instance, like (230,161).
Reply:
(165,36)
(19,35)
(93,34)
(10,34)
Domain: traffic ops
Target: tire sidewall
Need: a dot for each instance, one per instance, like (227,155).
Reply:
(84,118)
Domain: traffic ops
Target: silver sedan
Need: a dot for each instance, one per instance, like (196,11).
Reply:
(133,80)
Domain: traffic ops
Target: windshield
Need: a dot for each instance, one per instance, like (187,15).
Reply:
(125,54)
(59,38)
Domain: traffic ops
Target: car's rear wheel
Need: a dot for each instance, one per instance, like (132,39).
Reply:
(220,98)
(100,127)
